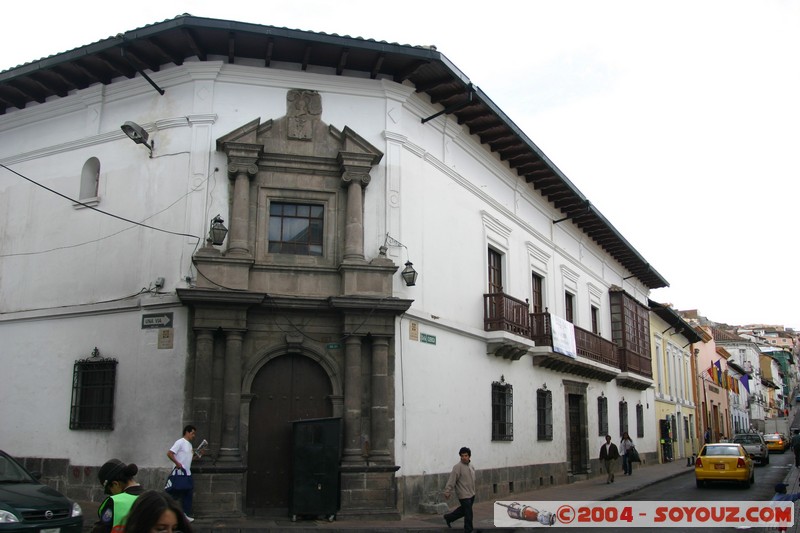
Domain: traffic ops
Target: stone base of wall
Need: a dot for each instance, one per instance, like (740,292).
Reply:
(423,494)
(218,492)
(80,483)
(369,492)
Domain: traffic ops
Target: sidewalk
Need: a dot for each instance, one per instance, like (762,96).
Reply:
(588,490)
(591,489)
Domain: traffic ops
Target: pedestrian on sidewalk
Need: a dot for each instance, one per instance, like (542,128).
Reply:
(181,454)
(625,446)
(796,447)
(609,455)
(117,479)
(462,479)
(157,511)
(781,496)
(707,436)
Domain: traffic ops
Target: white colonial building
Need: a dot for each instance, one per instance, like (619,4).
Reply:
(335,163)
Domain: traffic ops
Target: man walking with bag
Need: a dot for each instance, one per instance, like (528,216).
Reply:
(182,454)
(462,479)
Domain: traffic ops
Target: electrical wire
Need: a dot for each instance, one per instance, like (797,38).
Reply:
(110,235)
(118,217)
(143,290)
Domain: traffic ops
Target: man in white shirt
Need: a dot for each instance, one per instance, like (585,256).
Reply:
(182,454)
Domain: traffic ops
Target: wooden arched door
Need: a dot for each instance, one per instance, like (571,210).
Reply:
(287,388)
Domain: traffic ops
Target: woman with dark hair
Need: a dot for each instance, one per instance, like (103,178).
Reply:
(156,512)
(118,482)
(625,446)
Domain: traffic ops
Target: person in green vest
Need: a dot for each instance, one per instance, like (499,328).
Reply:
(118,482)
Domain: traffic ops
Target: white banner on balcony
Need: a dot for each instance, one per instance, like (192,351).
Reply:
(563,336)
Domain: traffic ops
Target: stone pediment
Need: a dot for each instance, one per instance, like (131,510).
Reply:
(301,132)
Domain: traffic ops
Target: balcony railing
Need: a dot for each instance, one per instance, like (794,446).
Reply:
(635,362)
(504,313)
(588,344)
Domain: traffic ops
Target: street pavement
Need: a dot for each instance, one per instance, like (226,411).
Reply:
(594,489)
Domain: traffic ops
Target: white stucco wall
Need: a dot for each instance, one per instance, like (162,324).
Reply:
(38,358)
(437,190)
(453,200)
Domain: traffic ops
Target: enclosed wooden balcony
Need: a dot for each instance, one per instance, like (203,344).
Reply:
(632,361)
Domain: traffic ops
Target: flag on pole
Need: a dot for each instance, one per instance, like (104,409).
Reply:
(719,372)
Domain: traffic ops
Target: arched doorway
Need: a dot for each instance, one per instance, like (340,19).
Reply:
(289,387)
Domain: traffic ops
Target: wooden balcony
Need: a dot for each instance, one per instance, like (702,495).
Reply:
(588,345)
(635,362)
(599,358)
(501,312)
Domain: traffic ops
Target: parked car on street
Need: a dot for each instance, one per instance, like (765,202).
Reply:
(724,461)
(775,442)
(28,505)
(754,444)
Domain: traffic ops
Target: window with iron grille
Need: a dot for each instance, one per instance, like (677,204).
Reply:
(640,421)
(623,417)
(295,228)
(544,415)
(502,411)
(93,384)
(602,416)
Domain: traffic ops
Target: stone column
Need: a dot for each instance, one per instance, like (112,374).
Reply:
(354,225)
(203,376)
(355,176)
(380,400)
(352,399)
(239,243)
(231,402)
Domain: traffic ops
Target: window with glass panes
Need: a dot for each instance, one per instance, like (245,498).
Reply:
(569,307)
(537,299)
(295,228)
(495,271)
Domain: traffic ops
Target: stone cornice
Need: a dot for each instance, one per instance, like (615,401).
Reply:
(370,303)
(213,296)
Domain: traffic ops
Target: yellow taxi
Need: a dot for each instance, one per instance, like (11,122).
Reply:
(775,442)
(724,461)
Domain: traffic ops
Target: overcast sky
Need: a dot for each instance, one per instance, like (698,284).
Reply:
(678,119)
